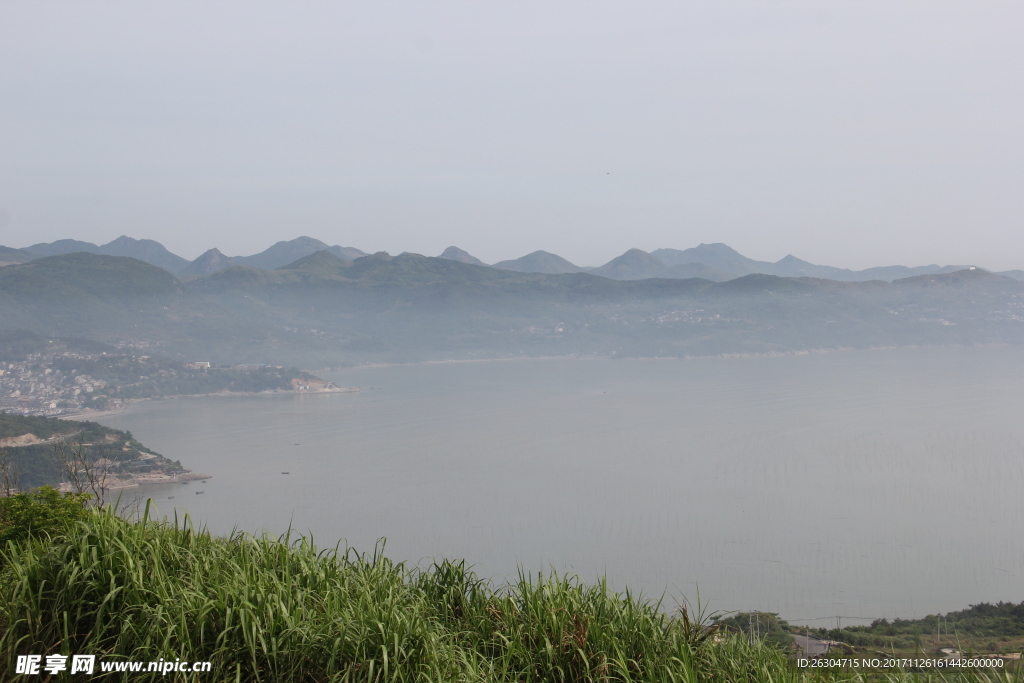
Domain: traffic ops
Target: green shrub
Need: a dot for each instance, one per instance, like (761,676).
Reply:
(45,511)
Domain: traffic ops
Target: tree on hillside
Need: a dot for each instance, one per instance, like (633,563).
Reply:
(86,473)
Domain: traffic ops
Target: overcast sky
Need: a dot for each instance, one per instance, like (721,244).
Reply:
(853,134)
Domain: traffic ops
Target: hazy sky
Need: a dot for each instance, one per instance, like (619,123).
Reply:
(853,133)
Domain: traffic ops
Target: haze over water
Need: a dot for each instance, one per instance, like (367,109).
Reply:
(864,484)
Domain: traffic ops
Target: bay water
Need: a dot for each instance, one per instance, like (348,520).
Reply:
(863,484)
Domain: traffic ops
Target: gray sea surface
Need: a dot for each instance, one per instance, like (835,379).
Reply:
(864,484)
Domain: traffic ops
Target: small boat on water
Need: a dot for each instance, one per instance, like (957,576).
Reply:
(170,497)
(198,492)
(284,473)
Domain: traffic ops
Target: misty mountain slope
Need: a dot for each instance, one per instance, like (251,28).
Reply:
(90,294)
(150,251)
(112,298)
(235,278)
(346,253)
(415,307)
(9,256)
(724,259)
(757,283)
(62,247)
(977,279)
(456,254)
(718,256)
(409,276)
(109,278)
(281,253)
(404,278)
(791,266)
(689,270)
(285,252)
(539,262)
(412,304)
(414,270)
(635,264)
(320,263)
(321,310)
(319,268)
(890,273)
(717,262)
(210,261)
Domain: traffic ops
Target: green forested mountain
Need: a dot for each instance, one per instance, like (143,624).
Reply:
(107,278)
(91,295)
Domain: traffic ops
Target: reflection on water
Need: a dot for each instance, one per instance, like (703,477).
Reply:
(868,484)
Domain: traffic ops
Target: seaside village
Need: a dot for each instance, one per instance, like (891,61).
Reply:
(34,387)
(64,382)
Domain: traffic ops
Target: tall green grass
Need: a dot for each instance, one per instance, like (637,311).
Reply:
(264,609)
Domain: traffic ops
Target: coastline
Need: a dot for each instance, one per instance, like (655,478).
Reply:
(721,356)
(89,415)
(147,480)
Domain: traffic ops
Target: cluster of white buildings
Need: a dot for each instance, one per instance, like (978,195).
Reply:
(33,387)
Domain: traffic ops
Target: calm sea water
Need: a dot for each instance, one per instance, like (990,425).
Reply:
(862,484)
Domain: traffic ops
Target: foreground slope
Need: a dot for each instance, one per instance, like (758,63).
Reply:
(258,609)
(261,609)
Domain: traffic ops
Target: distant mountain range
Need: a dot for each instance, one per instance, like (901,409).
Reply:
(156,254)
(323,310)
(715,262)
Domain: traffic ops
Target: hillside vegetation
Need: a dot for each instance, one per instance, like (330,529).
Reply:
(279,610)
(262,609)
(38,464)
(984,627)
